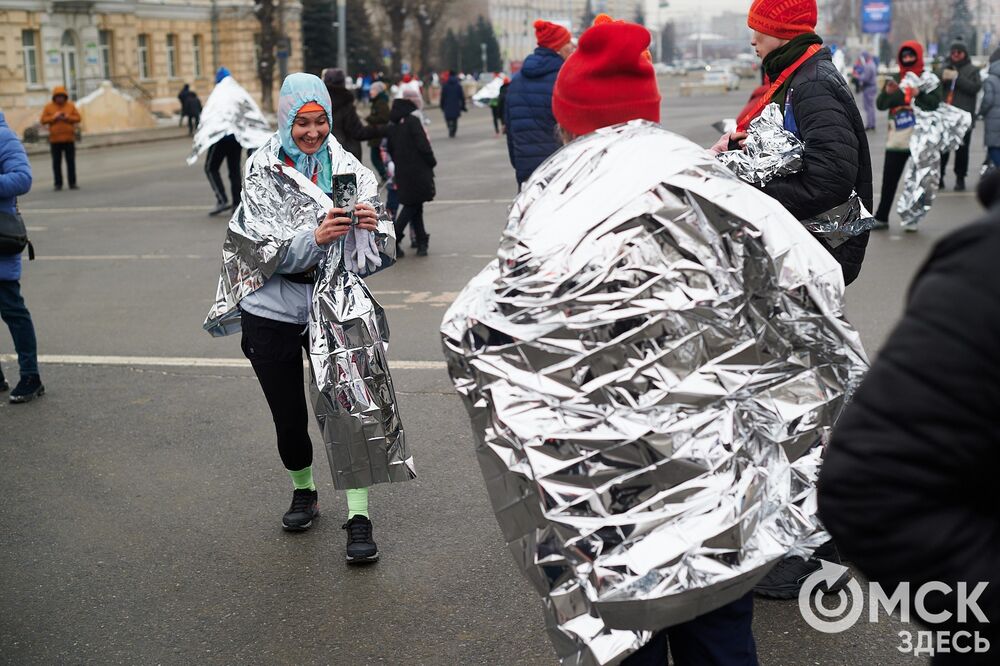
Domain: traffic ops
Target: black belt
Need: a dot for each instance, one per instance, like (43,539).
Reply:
(308,277)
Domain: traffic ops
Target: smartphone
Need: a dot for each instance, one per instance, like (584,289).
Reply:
(345,193)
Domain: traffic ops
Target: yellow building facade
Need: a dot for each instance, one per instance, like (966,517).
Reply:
(148,50)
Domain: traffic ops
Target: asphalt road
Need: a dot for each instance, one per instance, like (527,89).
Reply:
(141,502)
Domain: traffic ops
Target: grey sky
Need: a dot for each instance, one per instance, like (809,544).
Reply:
(691,7)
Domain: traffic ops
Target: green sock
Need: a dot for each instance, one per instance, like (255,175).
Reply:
(303,478)
(357,502)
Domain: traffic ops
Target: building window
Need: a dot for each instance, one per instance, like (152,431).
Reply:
(171,56)
(142,55)
(106,53)
(29,43)
(196,51)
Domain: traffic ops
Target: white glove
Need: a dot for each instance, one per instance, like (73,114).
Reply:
(360,252)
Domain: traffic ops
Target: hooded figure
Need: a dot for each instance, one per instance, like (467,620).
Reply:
(527,114)
(378,118)
(413,157)
(961,82)
(291,279)
(61,117)
(900,102)
(648,366)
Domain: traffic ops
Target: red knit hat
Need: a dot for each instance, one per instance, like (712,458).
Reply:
(783,19)
(607,80)
(551,35)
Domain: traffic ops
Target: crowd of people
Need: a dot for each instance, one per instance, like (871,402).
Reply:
(907,469)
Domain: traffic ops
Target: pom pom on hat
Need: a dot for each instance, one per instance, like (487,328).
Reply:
(607,80)
(551,35)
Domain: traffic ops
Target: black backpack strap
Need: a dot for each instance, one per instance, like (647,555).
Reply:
(31,251)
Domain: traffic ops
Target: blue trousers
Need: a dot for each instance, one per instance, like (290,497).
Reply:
(18,320)
(723,637)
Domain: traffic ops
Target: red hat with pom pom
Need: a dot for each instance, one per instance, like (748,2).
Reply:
(551,35)
(609,79)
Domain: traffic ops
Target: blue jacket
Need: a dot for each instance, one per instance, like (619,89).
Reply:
(15,180)
(531,127)
(452,98)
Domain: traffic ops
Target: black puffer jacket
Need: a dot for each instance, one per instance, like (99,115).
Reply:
(837,159)
(347,128)
(908,487)
(411,153)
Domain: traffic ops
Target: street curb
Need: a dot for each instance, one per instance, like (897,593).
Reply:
(115,139)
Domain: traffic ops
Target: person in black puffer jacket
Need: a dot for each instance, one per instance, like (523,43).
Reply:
(961,82)
(820,110)
(347,128)
(411,152)
(908,484)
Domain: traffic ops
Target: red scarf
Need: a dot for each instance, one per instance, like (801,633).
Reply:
(765,99)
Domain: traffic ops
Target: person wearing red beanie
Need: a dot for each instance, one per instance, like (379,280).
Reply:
(527,107)
(819,109)
(608,80)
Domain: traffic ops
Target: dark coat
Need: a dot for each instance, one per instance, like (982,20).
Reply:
(347,128)
(837,160)
(531,127)
(965,88)
(411,153)
(452,98)
(379,116)
(908,487)
(192,105)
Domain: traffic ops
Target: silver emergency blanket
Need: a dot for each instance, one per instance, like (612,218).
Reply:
(649,366)
(770,150)
(352,390)
(488,93)
(230,110)
(935,132)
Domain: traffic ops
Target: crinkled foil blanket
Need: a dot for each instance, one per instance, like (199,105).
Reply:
(229,110)
(649,367)
(935,132)
(771,151)
(352,390)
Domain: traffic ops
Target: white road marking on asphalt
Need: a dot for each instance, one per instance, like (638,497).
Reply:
(186,209)
(36,228)
(189,362)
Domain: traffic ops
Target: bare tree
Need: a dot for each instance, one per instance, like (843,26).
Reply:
(264,9)
(396,11)
(429,14)
(923,20)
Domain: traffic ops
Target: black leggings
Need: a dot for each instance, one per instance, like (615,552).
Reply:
(58,150)
(228,150)
(895,162)
(961,158)
(274,349)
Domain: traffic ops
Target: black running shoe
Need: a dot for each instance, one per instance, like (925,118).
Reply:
(4,386)
(880,225)
(960,184)
(29,388)
(221,207)
(361,547)
(302,512)
(785,580)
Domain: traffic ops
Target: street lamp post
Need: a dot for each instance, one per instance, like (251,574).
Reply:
(342,34)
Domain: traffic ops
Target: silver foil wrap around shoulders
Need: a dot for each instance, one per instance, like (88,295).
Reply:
(352,390)
(771,151)
(934,132)
(230,110)
(650,367)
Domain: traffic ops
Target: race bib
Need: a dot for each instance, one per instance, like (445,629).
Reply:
(904,120)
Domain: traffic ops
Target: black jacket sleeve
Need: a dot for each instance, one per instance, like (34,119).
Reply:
(357,130)
(830,158)
(908,488)
(420,141)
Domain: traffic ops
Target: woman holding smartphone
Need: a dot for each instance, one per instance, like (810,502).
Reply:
(288,255)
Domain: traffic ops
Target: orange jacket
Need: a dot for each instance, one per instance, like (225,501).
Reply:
(61,118)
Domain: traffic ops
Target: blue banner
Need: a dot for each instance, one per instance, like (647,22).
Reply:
(876,16)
